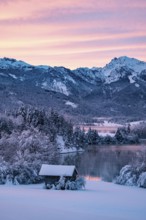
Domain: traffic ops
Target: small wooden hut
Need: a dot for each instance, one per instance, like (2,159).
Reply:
(52,173)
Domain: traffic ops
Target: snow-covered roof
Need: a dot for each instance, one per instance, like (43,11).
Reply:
(56,170)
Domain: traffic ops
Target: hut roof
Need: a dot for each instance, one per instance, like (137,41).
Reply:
(56,170)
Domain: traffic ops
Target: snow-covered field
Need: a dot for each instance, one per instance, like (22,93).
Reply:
(100,201)
(109,128)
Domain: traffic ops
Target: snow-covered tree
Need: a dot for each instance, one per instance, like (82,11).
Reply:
(92,137)
(61,183)
(132,175)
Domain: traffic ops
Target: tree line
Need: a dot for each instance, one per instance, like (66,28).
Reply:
(28,138)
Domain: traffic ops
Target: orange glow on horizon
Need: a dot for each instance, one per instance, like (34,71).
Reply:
(92,178)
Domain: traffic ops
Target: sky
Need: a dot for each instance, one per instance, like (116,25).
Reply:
(72,33)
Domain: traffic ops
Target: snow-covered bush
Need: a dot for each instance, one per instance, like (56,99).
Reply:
(9,179)
(80,182)
(64,184)
(61,183)
(132,175)
(71,185)
(127,176)
(125,136)
(3,171)
(142,180)
(140,130)
(48,186)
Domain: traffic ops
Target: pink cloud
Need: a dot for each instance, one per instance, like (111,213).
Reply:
(63,29)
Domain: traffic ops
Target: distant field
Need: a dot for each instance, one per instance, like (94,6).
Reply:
(105,127)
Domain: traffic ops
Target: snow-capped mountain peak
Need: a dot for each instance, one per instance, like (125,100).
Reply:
(131,63)
(121,67)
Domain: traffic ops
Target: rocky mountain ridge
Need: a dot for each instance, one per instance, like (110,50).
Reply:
(119,88)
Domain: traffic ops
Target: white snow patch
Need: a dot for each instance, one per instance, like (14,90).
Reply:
(131,79)
(2,74)
(55,86)
(12,93)
(44,85)
(63,149)
(111,124)
(13,76)
(136,122)
(73,105)
(104,134)
(64,72)
(60,87)
(22,79)
(137,85)
(110,76)
(100,200)
(28,68)
(71,79)
(20,102)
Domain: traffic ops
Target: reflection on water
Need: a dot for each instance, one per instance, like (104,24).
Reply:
(105,162)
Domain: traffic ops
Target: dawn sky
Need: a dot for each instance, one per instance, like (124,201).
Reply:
(72,33)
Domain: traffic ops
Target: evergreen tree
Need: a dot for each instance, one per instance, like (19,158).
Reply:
(92,137)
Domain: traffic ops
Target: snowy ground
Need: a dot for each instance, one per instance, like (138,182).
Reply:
(100,200)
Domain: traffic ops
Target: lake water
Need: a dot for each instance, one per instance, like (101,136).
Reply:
(104,162)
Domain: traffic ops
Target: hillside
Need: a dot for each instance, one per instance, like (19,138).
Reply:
(118,89)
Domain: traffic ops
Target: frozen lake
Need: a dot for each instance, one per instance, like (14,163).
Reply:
(105,161)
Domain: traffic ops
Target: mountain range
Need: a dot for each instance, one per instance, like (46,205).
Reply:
(116,90)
